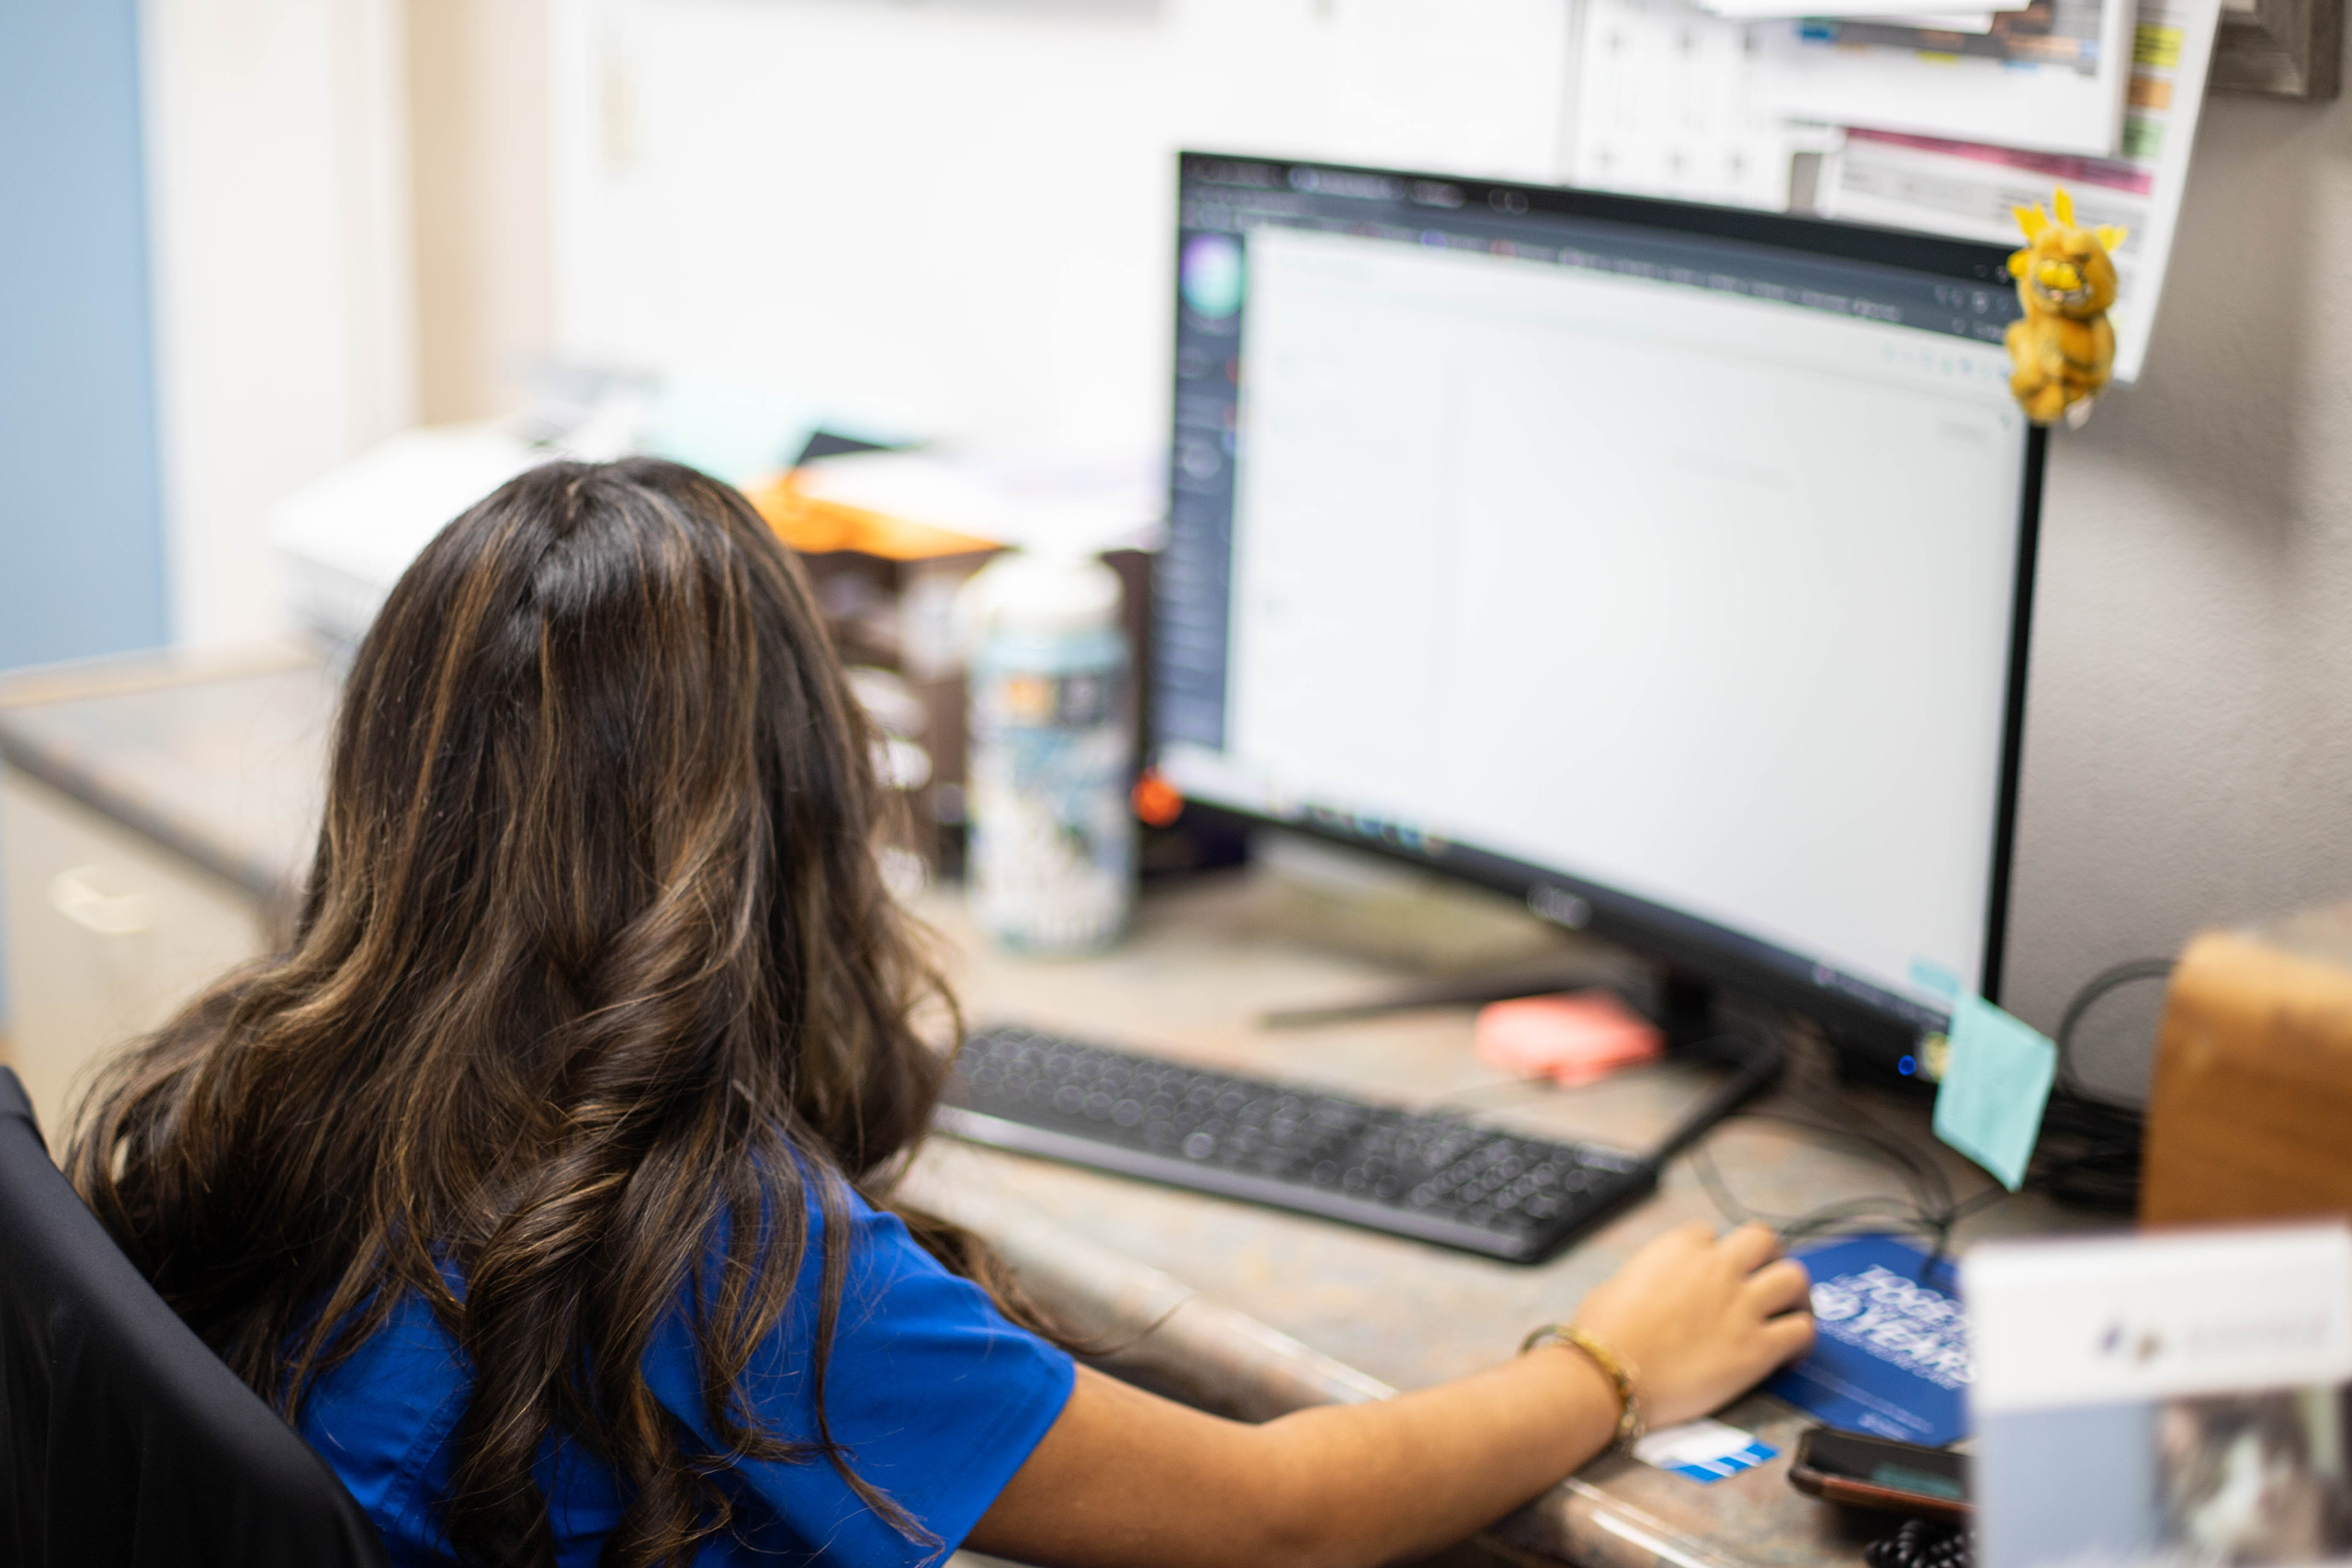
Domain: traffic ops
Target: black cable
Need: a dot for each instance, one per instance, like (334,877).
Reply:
(1930,1188)
(1924,1208)
(2098,985)
(1921,1543)
(1757,1063)
(2089,1151)
(1872,1215)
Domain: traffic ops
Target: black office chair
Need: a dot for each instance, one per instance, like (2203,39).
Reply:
(124,1441)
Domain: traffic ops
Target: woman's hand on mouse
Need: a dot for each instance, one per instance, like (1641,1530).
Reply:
(1702,1318)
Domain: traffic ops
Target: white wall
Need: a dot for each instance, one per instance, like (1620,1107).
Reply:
(285,341)
(936,207)
(479,127)
(879,197)
(2189,753)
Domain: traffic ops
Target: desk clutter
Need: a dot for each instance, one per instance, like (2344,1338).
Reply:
(2198,1385)
(131,741)
(1379,601)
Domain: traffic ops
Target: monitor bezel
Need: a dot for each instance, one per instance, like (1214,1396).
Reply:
(1693,948)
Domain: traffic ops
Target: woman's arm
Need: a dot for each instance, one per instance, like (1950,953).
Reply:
(1124,1477)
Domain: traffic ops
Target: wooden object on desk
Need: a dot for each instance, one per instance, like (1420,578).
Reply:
(2251,1115)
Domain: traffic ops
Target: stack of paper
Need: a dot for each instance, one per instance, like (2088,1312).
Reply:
(1941,122)
(1861,10)
(1967,188)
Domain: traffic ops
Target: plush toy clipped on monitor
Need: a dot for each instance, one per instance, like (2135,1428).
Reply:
(2062,349)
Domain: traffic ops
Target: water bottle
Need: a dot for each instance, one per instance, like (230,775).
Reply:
(1052,855)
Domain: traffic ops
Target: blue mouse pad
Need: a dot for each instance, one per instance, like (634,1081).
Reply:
(1892,1358)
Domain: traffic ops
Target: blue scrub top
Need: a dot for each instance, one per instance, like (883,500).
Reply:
(937,1398)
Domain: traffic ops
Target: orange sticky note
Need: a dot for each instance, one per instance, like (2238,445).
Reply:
(1571,1038)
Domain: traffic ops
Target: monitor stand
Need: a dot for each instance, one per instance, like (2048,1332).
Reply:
(1679,1003)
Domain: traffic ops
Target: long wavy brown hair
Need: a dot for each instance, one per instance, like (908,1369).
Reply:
(595,990)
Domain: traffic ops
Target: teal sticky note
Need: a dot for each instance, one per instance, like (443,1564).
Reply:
(1996,1081)
(1934,978)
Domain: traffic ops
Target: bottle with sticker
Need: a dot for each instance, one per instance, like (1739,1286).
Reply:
(1052,858)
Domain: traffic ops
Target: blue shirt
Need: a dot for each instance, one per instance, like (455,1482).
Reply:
(937,1398)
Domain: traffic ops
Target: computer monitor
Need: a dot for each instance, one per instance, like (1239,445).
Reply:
(1667,566)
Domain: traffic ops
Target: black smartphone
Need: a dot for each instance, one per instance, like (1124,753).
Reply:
(1878,1472)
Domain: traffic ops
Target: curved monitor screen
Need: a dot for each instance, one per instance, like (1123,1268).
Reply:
(1666,564)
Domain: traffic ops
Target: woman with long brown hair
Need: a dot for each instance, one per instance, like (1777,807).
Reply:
(543,1180)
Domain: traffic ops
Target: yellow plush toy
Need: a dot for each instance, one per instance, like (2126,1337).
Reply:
(2060,354)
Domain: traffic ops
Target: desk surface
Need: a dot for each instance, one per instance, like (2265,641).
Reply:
(1245,1308)
(219,757)
(1204,962)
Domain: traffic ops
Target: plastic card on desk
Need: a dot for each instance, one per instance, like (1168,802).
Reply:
(1704,1450)
(1892,1356)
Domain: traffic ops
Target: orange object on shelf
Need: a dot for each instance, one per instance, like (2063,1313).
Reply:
(1158,802)
(816,526)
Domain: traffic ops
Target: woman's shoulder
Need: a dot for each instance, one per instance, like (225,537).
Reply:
(910,1375)
(884,1280)
(382,1416)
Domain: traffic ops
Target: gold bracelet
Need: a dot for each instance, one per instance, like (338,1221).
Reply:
(1621,1373)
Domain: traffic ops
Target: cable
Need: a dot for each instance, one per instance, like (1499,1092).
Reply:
(2098,985)
(1757,1064)
(1926,1208)
(1921,1543)
(1872,1215)
(2089,1154)
(1814,1222)
(1932,1209)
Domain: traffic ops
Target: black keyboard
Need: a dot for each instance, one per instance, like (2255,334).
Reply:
(1408,1173)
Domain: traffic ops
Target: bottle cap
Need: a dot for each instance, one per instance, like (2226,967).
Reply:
(1041,592)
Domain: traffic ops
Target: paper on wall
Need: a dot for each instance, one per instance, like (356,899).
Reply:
(1663,107)
(2050,77)
(1859,10)
(1874,10)
(1968,189)
(1952,22)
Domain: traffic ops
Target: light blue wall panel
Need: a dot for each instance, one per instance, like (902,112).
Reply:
(81,529)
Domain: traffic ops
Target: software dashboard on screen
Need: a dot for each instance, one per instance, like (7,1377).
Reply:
(1675,577)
